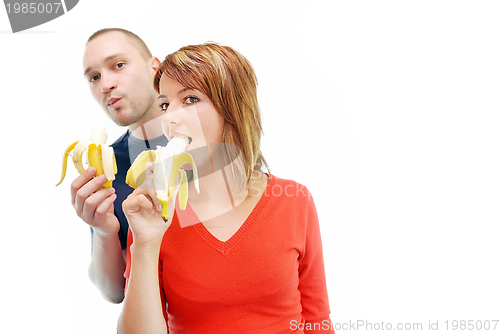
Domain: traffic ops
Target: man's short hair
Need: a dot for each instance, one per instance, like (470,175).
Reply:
(135,40)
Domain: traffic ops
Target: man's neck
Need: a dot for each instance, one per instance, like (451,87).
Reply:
(147,130)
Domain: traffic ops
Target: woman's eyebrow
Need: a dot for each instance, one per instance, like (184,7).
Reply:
(182,91)
(178,93)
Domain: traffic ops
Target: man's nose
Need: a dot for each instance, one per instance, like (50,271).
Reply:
(108,83)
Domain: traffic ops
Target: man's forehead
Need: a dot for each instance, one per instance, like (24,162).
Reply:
(104,46)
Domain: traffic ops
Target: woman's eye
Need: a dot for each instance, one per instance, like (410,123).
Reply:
(191,99)
(164,106)
(119,65)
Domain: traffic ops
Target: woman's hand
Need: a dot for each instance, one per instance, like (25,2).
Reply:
(143,211)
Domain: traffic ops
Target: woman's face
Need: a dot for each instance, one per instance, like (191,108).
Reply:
(191,114)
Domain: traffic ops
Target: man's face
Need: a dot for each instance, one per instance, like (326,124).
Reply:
(120,79)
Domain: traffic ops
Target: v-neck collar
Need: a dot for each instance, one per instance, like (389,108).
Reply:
(188,219)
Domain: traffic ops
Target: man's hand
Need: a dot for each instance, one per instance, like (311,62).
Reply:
(92,206)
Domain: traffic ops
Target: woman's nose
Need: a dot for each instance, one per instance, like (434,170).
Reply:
(172,116)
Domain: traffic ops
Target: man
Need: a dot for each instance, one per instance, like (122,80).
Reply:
(120,70)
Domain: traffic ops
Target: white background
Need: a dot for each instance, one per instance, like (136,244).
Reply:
(388,111)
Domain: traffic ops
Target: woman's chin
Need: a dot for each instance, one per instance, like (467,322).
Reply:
(187,167)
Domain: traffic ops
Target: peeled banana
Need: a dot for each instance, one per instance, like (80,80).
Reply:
(99,155)
(169,179)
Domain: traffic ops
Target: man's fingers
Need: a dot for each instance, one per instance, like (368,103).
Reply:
(80,181)
(103,208)
(95,201)
(80,192)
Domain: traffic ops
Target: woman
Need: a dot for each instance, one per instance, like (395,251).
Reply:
(245,255)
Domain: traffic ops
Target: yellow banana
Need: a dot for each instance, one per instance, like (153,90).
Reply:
(167,173)
(100,156)
(137,172)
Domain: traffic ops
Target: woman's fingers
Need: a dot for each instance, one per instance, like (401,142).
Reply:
(134,204)
(149,168)
(145,222)
(148,187)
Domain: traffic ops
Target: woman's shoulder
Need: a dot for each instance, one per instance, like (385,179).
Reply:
(279,187)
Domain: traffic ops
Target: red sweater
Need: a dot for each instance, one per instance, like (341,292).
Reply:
(267,278)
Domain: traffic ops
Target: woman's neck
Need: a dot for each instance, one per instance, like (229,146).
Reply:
(218,184)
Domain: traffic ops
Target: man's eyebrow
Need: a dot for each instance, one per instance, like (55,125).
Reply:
(109,58)
(87,71)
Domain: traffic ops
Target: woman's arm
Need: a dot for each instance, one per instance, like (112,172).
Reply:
(312,281)
(142,307)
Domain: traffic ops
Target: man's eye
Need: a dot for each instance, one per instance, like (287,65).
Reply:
(191,99)
(94,78)
(163,106)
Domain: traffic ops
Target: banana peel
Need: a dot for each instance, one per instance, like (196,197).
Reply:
(169,179)
(98,154)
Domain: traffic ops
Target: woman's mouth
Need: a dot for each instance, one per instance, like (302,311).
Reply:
(189,139)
